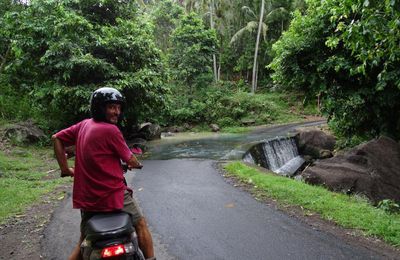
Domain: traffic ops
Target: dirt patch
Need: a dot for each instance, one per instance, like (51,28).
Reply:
(20,236)
(351,236)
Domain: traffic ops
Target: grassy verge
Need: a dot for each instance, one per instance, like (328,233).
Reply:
(24,178)
(237,129)
(347,211)
(227,130)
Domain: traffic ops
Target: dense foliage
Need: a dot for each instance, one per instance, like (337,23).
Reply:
(191,61)
(213,105)
(63,50)
(347,52)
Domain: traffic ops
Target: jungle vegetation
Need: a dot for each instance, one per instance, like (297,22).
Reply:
(207,61)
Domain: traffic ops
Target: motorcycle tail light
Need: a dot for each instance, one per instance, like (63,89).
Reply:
(113,251)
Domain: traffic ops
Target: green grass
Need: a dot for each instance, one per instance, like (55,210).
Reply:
(288,109)
(237,129)
(22,178)
(347,211)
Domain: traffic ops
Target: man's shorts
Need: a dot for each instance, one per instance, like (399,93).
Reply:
(130,206)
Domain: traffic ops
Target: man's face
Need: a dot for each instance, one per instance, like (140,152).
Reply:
(112,113)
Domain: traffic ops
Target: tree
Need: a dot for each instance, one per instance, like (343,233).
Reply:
(165,17)
(5,44)
(346,51)
(211,4)
(257,26)
(205,8)
(254,77)
(193,46)
(63,50)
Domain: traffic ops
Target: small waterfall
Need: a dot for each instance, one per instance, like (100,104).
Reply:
(279,155)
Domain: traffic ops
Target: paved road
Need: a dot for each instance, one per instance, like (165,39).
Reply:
(194,214)
(197,215)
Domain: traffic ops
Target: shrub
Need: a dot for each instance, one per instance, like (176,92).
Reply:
(225,106)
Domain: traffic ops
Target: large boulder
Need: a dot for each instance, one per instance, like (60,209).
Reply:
(371,169)
(25,132)
(214,127)
(315,143)
(150,132)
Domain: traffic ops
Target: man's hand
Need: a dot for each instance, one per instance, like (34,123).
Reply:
(68,172)
(133,163)
(59,151)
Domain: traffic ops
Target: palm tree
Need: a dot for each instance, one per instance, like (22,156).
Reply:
(259,23)
(216,74)
(254,77)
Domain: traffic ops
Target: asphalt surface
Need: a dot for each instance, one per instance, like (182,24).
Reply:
(198,215)
(194,213)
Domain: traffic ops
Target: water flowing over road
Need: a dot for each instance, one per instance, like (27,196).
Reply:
(195,214)
(215,145)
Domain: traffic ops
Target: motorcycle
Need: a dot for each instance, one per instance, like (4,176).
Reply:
(111,236)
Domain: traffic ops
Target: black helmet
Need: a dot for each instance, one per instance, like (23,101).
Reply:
(104,96)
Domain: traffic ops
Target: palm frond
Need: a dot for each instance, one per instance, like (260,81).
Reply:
(250,27)
(248,10)
(273,13)
(238,35)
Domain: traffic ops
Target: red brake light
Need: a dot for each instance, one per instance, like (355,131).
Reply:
(113,251)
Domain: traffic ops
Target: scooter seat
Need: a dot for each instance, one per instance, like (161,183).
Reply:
(109,225)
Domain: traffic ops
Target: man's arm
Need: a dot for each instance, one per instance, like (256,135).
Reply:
(59,151)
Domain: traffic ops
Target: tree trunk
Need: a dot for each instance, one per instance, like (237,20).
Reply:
(254,78)
(4,59)
(212,27)
(219,68)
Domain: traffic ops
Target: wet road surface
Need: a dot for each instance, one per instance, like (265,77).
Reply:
(196,214)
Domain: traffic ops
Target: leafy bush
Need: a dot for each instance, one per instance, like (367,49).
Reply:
(227,121)
(389,206)
(226,105)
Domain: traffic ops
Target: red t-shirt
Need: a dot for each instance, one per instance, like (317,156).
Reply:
(98,181)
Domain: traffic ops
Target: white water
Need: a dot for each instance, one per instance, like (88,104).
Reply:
(279,151)
(291,166)
(281,156)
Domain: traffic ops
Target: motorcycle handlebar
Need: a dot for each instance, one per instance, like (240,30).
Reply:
(140,166)
(125,167)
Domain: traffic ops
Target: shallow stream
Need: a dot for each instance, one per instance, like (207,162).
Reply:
(217,145)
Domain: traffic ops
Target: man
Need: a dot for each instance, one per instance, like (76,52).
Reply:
(99,184)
